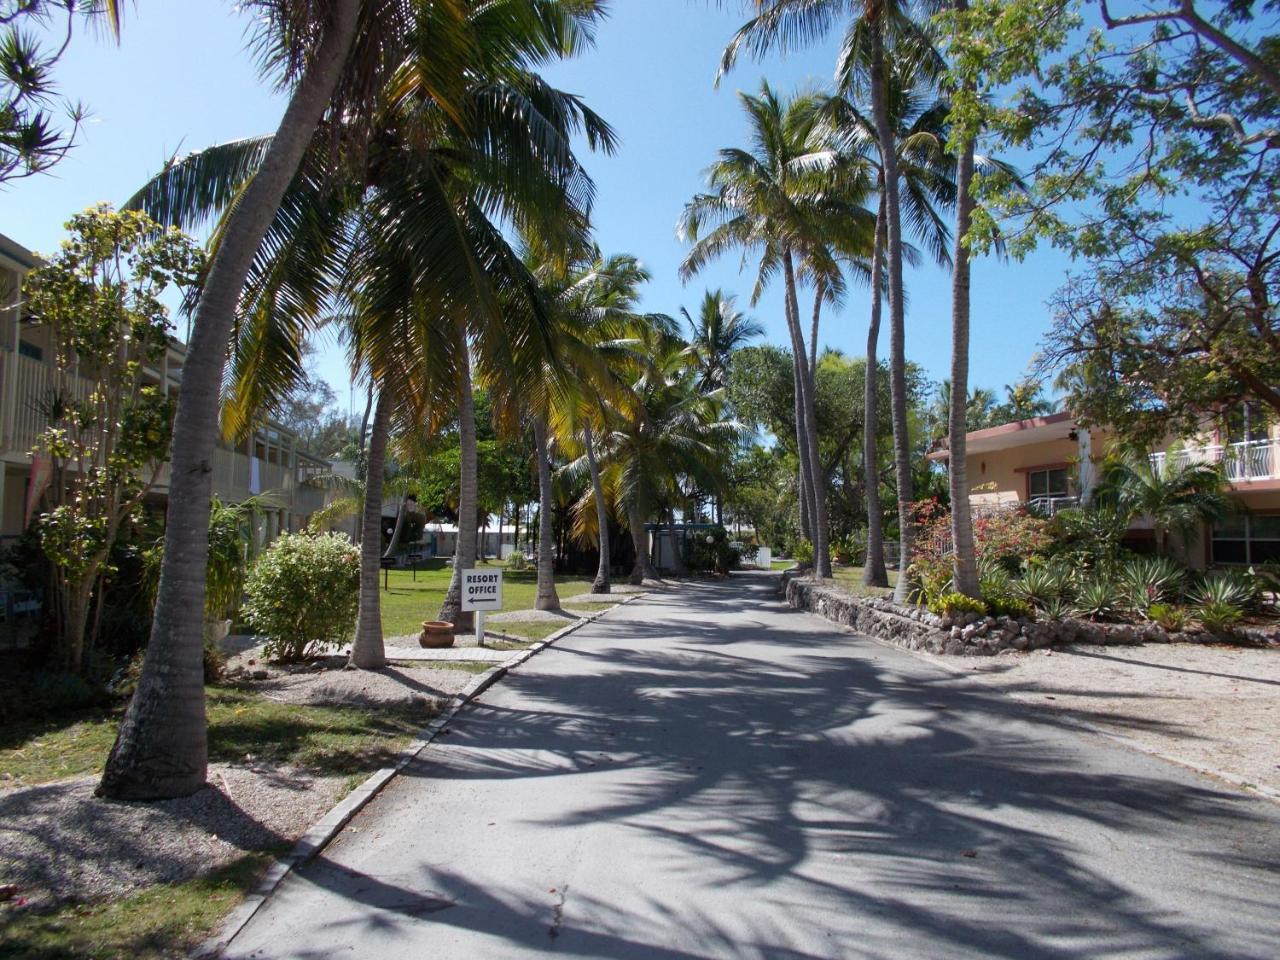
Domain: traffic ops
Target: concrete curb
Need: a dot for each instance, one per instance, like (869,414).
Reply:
(322,832)
(940,661)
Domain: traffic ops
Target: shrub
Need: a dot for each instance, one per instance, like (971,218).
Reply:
(1149,580)
(803,553)
(930,579)
(851,548)
(303,594)
(949,604)
(994,582)
(710,551)
(1010,607)
(1168,617)
(517,562)
(1098,600)
(1089,538)
(1219,617)
(1227,587)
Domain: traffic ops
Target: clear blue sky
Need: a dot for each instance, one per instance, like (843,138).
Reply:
(182,79)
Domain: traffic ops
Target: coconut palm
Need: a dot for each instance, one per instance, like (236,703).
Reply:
(666,432)
(780,200)
(595,303)
(336,57)
(875,33)
(1176,495)
(502,139)
(918,117)
(716,332)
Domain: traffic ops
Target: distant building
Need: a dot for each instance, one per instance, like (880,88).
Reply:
(1047,463)
(267,462)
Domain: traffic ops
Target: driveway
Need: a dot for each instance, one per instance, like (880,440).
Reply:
(706,773)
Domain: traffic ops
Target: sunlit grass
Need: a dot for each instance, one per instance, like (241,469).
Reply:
(412,598)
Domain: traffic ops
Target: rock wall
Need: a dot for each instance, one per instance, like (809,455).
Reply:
(971,635)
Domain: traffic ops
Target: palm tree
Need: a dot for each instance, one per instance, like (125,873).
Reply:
(1178,496)
(779,200)
(876,32)
(667,430)
(505,151)
(918,117)
(595,303)
(718,330)
(343,49)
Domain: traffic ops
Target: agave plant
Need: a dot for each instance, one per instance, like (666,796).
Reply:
(1056,608)
(1040,585)
(1149,580)
(1227,587)
(1098,600)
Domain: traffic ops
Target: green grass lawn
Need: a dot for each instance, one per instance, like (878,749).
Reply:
(850,579)
(409,601)
(166,920)
(781,564)
(324,740)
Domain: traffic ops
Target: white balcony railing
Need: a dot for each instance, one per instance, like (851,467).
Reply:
(1049,506)
(1243,462)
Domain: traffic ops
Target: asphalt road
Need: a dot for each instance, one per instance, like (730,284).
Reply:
(708,774)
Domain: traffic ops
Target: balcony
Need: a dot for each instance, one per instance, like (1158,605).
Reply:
(1242,462)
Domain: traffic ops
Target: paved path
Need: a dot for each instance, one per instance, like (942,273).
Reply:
(707,774)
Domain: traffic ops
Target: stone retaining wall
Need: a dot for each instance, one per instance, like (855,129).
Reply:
(971,635)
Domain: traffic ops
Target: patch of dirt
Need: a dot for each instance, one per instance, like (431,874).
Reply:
(327,682)
(1213,707)
(60,844)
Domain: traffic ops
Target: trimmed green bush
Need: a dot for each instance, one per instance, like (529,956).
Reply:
(1010,607)
(303,594)
(949,604)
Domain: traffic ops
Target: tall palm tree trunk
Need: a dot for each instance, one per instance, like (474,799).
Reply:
(464,551)
(162,750)
(601,582)
(803,485)
(643,569)
(897,330)
(821,553)
(873,571)
(547,598)
(367,651)
(964,563)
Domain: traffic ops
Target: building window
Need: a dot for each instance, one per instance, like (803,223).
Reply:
(1246,540)
(30,350)
(1048,483)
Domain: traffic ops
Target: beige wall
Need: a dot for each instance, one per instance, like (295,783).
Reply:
(1007,469)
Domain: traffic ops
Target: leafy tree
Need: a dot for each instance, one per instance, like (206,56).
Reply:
(109,425)
(1156,136)
(30,139)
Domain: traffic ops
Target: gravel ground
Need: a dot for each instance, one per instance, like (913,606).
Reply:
(60,844)
(324,682)
(1213,707)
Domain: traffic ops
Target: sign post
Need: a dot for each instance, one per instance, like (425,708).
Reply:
(481,591)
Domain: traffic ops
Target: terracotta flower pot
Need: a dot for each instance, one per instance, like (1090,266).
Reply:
(436,633)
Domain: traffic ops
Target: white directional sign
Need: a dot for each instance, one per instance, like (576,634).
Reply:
(481,589)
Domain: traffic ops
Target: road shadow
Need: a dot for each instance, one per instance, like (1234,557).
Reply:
(797,765)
